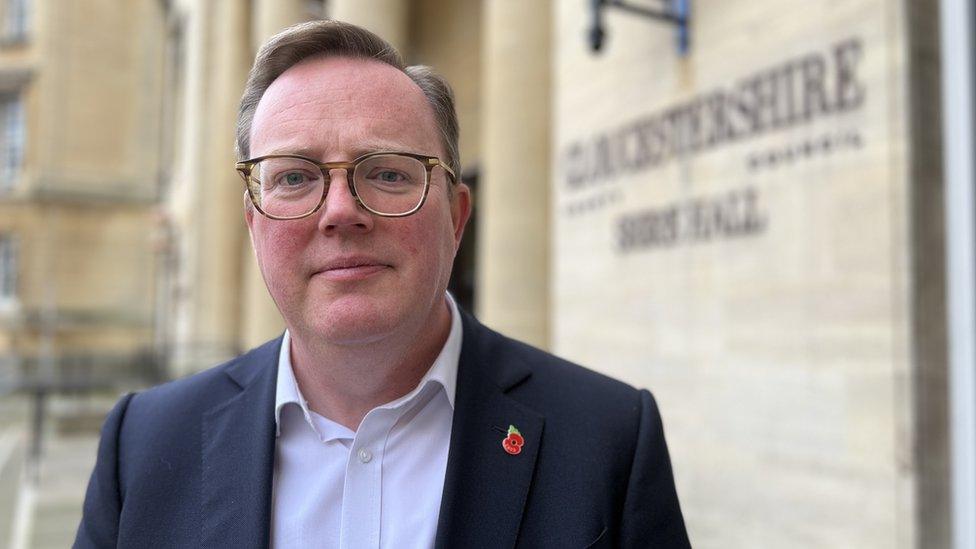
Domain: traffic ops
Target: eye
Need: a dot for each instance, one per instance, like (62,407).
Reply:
(292,179)
(288,174)
(390,176)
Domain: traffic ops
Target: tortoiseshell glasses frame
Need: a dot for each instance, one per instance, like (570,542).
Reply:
(253,185)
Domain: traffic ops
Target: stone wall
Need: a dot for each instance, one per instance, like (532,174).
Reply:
(739,229)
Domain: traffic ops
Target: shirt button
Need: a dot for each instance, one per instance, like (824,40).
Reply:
(365,455)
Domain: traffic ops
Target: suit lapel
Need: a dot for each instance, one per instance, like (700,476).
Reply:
(238,442)
(485,488)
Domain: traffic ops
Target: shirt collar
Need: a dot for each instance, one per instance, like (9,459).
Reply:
(443,372)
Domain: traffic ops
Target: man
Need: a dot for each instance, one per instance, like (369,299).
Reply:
(384,416)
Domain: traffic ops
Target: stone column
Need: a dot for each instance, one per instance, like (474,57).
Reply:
(273,16)
(214,292)
(387,18)
(513,249)
(186,199)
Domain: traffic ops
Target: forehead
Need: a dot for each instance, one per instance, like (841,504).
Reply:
(342,105)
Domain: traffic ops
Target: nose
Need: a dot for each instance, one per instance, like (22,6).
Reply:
(341,210)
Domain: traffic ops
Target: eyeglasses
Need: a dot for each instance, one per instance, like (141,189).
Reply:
(388,184)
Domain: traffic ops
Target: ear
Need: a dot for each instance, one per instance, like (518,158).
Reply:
(460,212)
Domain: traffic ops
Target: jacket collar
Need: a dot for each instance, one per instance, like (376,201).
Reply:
(485,488)
(237,442)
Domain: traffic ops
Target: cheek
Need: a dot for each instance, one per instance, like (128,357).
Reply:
(436,242)
(411,248)
(279,244)
(421,238)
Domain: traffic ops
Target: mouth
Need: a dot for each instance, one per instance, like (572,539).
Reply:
(351,268)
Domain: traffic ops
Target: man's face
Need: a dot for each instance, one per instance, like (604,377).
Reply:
(344,274)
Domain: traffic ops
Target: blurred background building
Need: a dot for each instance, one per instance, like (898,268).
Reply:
(79,180)
(761,219)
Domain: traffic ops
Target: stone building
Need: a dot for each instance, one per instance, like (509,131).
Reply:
(753,227)
(749,219)
(80,87)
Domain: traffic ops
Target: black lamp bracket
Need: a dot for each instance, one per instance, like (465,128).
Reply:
(673,12)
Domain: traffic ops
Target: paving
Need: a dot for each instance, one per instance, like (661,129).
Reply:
(42,501)
(49,502)
(58,496)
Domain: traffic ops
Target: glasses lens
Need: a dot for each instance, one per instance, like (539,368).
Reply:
(390,183)
(286,187)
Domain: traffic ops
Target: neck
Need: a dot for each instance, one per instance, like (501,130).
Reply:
(343,383)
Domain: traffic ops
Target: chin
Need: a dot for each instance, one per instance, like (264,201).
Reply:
(356,322)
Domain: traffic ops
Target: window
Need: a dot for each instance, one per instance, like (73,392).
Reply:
(15,20)
(11,139)
(8,268)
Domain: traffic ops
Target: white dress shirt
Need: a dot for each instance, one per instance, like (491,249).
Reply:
(376,487)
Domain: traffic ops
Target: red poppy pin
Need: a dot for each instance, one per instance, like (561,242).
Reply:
(514,441)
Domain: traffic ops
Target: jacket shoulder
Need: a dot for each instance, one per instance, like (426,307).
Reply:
(167,417)
(207,386)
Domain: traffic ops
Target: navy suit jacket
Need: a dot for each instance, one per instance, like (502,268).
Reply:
(190,463)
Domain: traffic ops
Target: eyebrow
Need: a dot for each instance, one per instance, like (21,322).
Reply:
(360,150)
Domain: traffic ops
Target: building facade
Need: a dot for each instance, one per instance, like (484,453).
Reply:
(754,229)
(79,171)
(751,224)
